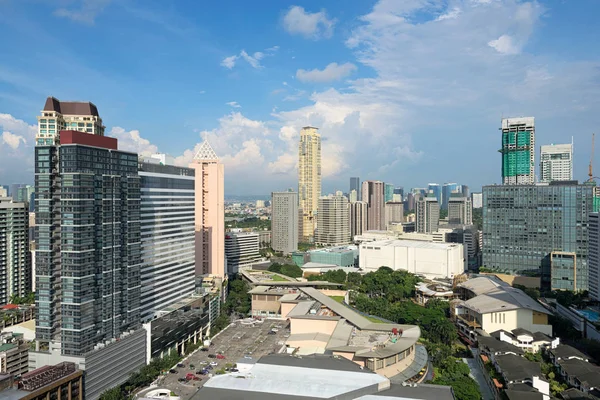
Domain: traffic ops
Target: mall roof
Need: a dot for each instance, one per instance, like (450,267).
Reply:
(419,244)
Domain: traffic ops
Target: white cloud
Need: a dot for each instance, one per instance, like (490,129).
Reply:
(310,25)
(86,13)
(133,141)
(452,14)
(17,138)
(12,140)
(332,72)
(505,45)
(233,104)
(252,59)
(229,62)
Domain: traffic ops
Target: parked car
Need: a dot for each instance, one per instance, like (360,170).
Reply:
(180,365)
(173,371)
(214,364)
(220,357)
(212,356)
(204,349)
(182,380)
(234,370)
(247,357)
(209,367)
(271,332)
(203,372)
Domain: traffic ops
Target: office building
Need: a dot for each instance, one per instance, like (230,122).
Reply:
(409,202)
(435,189)
(284,221)
(477,200)
(525,224)
(464,189)
(14,353)
(15,258)
(210,212)
(388,192)
(24,194)
(594,255)
(309,179)
(373,195)
(53,382)
(167,234)
(241,251)
(460,210)
(88,249)
(260,203)
(556,162)
(353,196)
(431,260)
(518,151)
(399,190)
(428,214)
(447,190)
(355,185)
(333,227)
(3,191)
(394,213)
(358,218)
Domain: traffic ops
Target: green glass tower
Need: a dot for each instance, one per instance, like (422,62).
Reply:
(518,151)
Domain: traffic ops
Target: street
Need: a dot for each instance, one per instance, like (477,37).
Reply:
(479,375)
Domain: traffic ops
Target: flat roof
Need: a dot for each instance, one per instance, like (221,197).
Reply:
(418,244)
(418,392)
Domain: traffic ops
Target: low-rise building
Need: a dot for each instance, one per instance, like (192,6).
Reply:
(14,354)
(61,382)
(575,367)
(344,256)
(426,291)
(242,250)
(431,260)
(313,268)
(523,339)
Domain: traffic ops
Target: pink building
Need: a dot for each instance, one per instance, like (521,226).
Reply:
(210,212)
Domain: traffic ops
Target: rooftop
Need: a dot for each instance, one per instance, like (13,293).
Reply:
(417,392)
(498,346)
(411,243)
(71,107)
(564,351)
(583,371)
(517,368)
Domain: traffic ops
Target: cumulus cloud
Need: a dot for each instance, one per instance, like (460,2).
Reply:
(16,149)
(133,141)
(233,104)
(310,25)
(332,72)
(12,140)
(229,62)
(252,59)
(505,45)
(85,12)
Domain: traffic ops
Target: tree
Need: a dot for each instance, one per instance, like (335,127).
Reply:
(113,394)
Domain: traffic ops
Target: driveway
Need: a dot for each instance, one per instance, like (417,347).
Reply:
(479,375)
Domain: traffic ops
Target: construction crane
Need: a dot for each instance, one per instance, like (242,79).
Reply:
(590,168)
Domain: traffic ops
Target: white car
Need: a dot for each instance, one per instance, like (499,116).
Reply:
(214,364)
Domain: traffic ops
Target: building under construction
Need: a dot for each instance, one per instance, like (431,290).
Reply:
(518,151)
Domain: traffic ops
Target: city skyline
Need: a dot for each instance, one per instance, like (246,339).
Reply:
(251,96)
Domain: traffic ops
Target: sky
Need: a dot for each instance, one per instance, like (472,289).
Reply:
(408,92)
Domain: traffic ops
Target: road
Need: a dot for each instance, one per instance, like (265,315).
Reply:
(478,375)
(234,343)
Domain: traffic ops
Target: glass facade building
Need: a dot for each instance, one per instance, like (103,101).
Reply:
(15,258)
(88,242)
(540,229)
(167,235)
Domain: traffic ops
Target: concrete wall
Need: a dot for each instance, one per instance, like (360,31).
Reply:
(286,308)
(303,325)
(527,281)
(509,320)
(333,292)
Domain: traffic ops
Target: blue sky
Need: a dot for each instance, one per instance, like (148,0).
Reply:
(408,92)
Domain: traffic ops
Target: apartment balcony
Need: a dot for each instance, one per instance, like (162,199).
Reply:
(469,321)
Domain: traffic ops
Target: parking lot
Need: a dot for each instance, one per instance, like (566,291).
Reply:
(235,342)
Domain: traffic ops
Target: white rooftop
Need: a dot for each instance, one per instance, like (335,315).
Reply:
(421,244)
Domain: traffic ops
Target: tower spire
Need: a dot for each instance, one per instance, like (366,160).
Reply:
(206,152)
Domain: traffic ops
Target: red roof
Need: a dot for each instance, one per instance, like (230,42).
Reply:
(87,139)
(10,307)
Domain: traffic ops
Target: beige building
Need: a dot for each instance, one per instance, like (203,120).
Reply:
(394,213)
(309,179)
(358,218)
(333,226)
(428,215)
(460,210)
(373,194)
(284,221)
(210,212)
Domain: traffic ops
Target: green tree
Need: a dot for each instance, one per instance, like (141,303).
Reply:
(238,299)
(113,394)
(292,271)
(478,218)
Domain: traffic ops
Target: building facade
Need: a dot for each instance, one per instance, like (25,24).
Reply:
(394,213)
(477,200)
(594,255)
(167,234)
(333,227)
(524,225)
(15,258)
(284,221)
(355,185)
(428,214)
(556,162)
(14,354)
(388,192)
(447,190)
(373,195)
(435,189)
(358,218)
(309,179)
(460,210)
(209,212)
(518,151)
(241,251)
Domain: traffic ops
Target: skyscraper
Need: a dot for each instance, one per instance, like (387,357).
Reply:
(333,226)
(3,191)
(167,233)
(477,200)
(284,221)
(355,185)
(460,209)
(436,190)
(309,178)
(353,196)
(464,189)
(394,213)
(241,251)
(594,256)
(556,162)
(210,212)
(388,192)
(409,202)
(428,214)
(399,190)
(373,195)
(358,218)
(518,151)
(541,229)
(15,260)
(447,190)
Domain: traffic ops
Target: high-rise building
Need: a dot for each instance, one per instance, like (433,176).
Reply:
(333,226)
(399,190)
(477,200)
(460,209)
(435,189)
(541,229)
(447,190)
(13,189)
(594,256)
(15,259)
(556,162)
(394,213)
(3,191)
(355,185)
(428,214)
(24,194)
(373,195)
(284,221)
(210,212)
(388,192)
(167,234)
(309,178)
(409,202)
(518,151)
(353,196)
(464,189)
(241,251)
(358,218)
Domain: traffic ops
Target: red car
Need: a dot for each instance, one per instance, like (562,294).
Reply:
(191,377)
(220,357)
